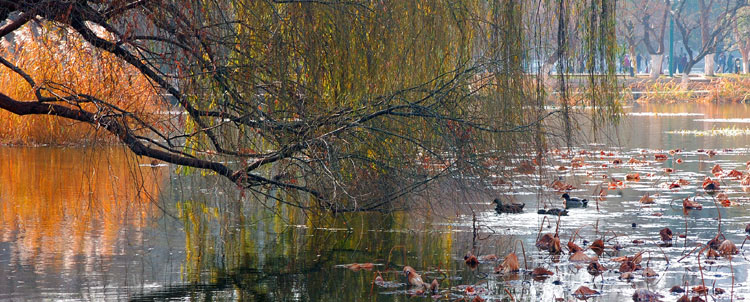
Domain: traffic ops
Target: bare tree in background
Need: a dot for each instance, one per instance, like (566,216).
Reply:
(709,23)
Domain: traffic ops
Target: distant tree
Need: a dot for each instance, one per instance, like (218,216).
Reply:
(323,105)
(646,21)
(708,23)
(742,36)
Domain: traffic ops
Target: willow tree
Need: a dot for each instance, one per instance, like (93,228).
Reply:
(345,106)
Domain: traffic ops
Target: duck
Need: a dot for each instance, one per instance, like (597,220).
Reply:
(500,207)
(413,278)
(553,211)
(572,202)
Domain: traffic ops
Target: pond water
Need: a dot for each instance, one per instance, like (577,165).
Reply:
(98,224)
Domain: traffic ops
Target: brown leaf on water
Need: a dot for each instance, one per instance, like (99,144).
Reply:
(633,177)
(583,293)
(626,276)
(627,266)
(700,289)
(712,254)
(545,242)
(710,185)
(595,268)
(621,259)
(556,247)
(490,257)
(684,298)
(727,248)
(688,204)
(735,174)
(666,234)
(649,273)
(716,169)
(573,248)
(722,197)
(597,247)
(716,241)
(719,291)
(510,264)
(635,161)
(580,257)
(646,199)
(541,273)
(561,186)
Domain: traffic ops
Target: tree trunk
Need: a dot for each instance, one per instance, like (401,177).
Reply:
(685,80)
(708,67)
(656,61)
(744,61)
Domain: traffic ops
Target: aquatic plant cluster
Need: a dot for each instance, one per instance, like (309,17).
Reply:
(659,225)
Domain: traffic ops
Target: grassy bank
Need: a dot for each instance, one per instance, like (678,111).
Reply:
(722,88)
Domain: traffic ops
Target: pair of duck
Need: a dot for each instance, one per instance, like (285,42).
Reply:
(570,202)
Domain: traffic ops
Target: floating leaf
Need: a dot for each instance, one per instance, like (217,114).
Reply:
(545,241)
(649,273)
(627,266)
(700,289)
(580,257)
(573,248)
(595,268)
(583,293)
(727,248)
(541,273)
(597,247)
(712,254)
(510,264)
(716,169)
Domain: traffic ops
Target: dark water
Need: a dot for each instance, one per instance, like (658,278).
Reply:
(98,224)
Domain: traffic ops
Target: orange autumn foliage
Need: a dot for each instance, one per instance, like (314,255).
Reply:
(62,64)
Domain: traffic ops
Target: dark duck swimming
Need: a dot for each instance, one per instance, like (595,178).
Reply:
(513,208)
(553,212)
(572,202)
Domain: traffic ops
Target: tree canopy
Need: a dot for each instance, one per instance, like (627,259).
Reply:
(342,105)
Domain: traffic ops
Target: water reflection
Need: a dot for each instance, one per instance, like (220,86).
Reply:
(65,213)
(112,228)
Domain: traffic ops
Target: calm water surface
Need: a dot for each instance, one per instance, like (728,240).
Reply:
(98,224)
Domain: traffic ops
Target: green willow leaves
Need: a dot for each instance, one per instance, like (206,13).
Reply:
(347,105)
